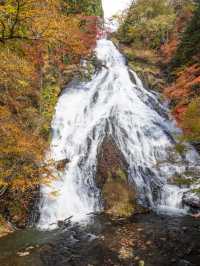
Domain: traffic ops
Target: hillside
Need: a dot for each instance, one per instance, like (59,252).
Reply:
(41,45)
(161,41)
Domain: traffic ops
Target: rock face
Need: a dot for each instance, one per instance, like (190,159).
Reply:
(60,165)
(192,200)
(184,263)
(118,196)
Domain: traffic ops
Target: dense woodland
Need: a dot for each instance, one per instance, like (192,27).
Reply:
(41,44)
(161,39)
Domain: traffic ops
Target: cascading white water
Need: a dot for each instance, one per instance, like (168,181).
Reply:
(114,102)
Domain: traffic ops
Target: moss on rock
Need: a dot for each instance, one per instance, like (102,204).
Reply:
(118,196)
(145,62)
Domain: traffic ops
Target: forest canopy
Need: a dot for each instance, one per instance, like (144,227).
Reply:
(147,22)
(166,34)
(41,45)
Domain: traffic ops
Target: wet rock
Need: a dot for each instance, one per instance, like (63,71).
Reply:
(29,248)
(184,228)
(173,260)
(189,250)
(163,239)
(196,215)
(23,254)
(118,196)
(118,199)
(184,263)
(64,223)
(115,243)
(192,200)
(141,209)
(111,163)
(149,243)
(60,165)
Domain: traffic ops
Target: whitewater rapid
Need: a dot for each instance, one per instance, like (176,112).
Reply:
(114,103)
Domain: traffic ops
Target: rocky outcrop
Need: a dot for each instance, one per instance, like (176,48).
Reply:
(60,165)
(192,200)
(146,63)
(118,195)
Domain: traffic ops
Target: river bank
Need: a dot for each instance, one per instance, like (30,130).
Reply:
(150,240)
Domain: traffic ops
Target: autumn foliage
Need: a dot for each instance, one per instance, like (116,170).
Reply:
(41,44)
(184,89)
(182,55)
(184,11)
(170,30)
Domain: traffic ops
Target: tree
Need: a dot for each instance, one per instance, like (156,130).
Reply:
(188,51)
(38,42)
(86,7)
(147,23)
(41,43)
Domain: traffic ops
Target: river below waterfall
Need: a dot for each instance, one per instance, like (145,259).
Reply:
(156,240)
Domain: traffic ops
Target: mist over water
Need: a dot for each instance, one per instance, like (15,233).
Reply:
(113,8)
(115,103)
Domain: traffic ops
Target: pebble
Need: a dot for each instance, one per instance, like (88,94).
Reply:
(23,254)
(184,263)
(148,243)
(29,248)
(163,239)
(136,258)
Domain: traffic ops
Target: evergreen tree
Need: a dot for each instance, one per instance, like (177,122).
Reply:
(189,49)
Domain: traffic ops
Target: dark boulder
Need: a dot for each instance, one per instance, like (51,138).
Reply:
(191,200)
(111,163)
(118,195)
(184,263)
(60,165)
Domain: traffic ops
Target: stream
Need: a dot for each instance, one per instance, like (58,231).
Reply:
(158,240)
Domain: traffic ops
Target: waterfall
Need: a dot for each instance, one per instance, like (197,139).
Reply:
(114,102)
